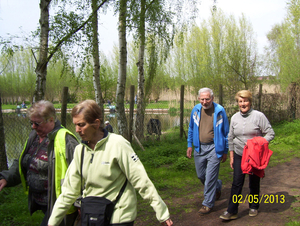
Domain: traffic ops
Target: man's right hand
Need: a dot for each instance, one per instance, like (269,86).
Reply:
(189,152)
(3,183)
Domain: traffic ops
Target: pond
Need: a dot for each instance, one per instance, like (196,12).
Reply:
(17,128)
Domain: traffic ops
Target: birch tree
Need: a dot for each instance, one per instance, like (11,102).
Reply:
(149,17)
(64,30)
(120,109)
(96,57)
(41,68)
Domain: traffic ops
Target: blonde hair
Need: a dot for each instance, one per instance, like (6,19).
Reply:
(90,109)
(244,94)
(43,108)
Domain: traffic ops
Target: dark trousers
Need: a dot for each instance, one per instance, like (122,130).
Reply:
(124,224)
(237,186)
(45,219)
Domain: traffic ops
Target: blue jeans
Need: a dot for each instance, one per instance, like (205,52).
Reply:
(207,167)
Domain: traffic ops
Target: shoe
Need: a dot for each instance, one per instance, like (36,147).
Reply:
(218,195)
(204,210)
(228,216)
(253,212)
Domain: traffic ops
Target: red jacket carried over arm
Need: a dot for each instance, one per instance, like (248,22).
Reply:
(256,156)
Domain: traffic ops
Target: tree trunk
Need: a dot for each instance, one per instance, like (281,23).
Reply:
(139,124)
(120,109)
(3,159)
(41,69)
(96,57)
(45,56)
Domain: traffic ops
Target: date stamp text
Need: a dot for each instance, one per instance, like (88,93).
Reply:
(264,198)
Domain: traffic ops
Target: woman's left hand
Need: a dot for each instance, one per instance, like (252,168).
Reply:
(168,222)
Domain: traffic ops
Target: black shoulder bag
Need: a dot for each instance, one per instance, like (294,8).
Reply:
(97,211)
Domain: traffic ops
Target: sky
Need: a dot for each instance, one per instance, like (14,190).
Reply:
(17,16)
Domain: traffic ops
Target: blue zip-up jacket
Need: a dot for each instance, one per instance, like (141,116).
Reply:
(221,129)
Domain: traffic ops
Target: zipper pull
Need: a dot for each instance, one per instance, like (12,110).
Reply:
(92,158)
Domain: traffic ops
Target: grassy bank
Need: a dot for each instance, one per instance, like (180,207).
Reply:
(172,173)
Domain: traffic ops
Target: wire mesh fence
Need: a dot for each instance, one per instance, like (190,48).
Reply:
(17,126)
(160,116)
(17,129)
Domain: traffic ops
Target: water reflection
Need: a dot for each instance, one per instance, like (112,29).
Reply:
(167,121)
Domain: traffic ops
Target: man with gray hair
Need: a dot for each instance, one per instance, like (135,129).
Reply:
(43,162)
(208,133)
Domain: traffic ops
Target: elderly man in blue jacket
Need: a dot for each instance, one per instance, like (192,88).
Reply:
(208,133)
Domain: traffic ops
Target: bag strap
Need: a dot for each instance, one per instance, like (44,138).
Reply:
(122,189)
(121,192)
(82,156)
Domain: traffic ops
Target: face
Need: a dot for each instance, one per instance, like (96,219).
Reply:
(206,100)
(244,104)
(41,126)
(85,130)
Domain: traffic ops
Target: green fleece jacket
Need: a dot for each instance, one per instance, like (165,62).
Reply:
(104,171)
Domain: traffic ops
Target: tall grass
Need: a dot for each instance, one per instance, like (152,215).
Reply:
(171,172)
(286,144)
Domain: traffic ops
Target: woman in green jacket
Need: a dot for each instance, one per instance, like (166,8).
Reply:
(109,161)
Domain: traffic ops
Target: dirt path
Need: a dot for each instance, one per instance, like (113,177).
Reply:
(281,187)
(281,181)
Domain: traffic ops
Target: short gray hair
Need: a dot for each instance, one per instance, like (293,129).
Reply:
(205,90)
(42,108)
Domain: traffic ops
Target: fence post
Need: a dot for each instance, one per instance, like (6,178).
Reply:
(259,97)
(293,100)
(131,110)
(181,110)
(3,159)
(221,94)
(64,102)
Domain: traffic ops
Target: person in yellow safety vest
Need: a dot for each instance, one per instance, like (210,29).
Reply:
(43,162)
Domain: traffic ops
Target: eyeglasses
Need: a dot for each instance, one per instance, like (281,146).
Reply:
(205,99)
(35,123)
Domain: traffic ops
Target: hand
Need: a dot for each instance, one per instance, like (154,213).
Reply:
(231,159)
(223,158)
(3,183)
(231,163)
(168,222)
(189,152)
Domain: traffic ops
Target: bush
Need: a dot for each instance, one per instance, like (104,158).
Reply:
(182,163)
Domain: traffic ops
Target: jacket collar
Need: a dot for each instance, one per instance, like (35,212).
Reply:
(247,113)
(100,142)
(57,127)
